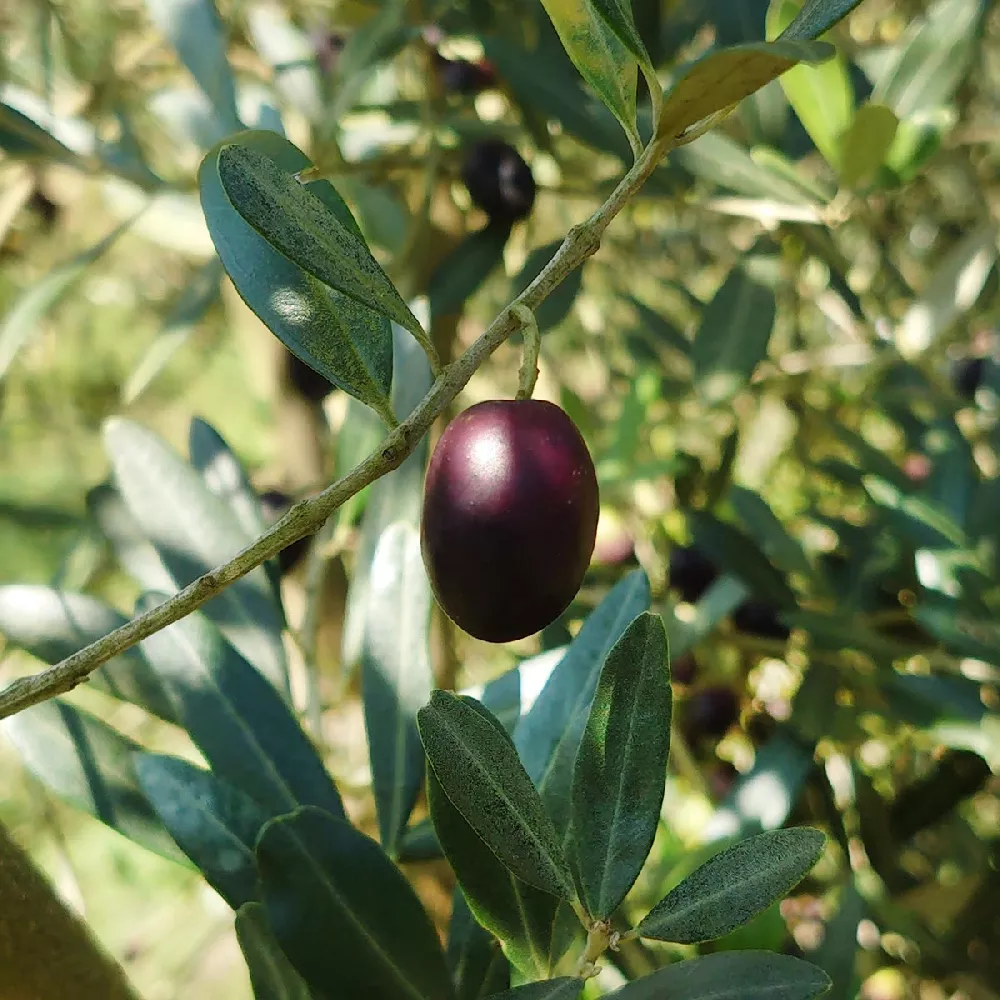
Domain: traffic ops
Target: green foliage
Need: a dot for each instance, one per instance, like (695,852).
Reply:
(762,358)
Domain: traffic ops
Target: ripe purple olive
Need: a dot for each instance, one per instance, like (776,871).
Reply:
(510,517)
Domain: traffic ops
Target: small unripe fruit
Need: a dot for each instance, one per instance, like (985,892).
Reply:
(499,181)
(510,517)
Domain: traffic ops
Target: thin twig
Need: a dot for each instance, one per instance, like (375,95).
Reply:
(308,516)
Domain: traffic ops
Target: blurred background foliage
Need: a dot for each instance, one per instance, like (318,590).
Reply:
(784,359)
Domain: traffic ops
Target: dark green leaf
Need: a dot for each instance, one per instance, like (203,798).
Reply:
(223,473)
(618,16)
(245,730)
(734,886)
(213,823)
(90,766)
(478,767)
(194,29)
(764,527)
(194,532)
(22,136)
(478,966)
(733,335)
(53,624)
(522,917)
(396,676)
(557,306)
(344,914)
(817,17)
(548,84)
(344,341)
(729,548)
(621,766)
(548,736)
(724,77)
(603,61)
(295,221)
(459,276)
(272,976)
(563,988)
(731,975)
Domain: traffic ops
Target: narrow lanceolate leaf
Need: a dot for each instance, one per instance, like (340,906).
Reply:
(524,919)
(213,823)
(621,766)
(292,219)
(194,531)
(244,729)
(618,16)
(396,676)
(816,18)
(343,340)
(722,79)
(24,317)
(479,770)
(821,96)
(459,276)
(53,624)
(344,914)
(272,976)
(478,966)
(194,29)
(954,286)
(733,886)
(597,52)
(189,308)
(733,335)
(89,765)
(866,143)
(731,975)
(563,988)
(548,736)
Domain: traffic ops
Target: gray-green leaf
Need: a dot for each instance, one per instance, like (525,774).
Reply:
(733,886)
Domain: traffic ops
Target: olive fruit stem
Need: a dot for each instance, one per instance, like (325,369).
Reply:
(307,516)
(532,346)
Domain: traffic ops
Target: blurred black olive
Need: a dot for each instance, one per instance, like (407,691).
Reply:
(710,712)
(684,669)
(760,619)
(305,381)
(275,505)
(327,45)
(458,76)
(691,572)
(967,376)
(499,181)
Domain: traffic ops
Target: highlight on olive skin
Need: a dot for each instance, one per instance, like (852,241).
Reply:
(510,517)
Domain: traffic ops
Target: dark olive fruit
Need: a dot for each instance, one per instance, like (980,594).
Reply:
(710,712)
(684,669)
(967,375)
(458,76)
(328,45)
(691,573)
(275,505)
(307,382)
(510,517)
(499,181)
(760,619)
